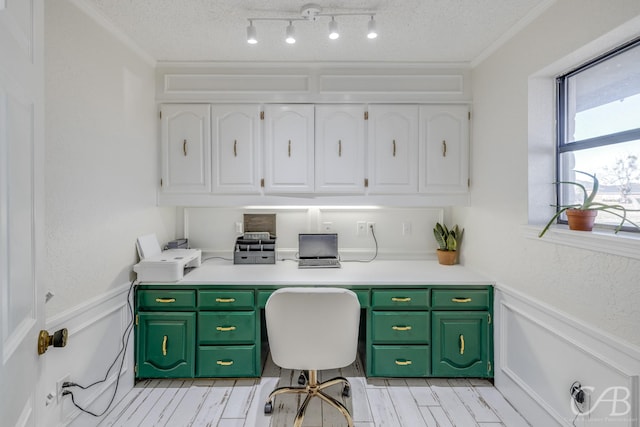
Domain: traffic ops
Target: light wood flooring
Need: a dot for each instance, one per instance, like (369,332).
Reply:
(373,402)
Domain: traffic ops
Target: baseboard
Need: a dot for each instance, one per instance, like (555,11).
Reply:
(96,330)
(540,352)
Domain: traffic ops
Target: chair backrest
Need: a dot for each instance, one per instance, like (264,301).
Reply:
(313,328)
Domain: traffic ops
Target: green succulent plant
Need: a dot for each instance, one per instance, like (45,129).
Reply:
(447,239)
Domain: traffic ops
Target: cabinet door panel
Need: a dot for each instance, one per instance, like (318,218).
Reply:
(460,344)
(236,148)
(166,345)
(444,146)
(289,131)
(339,148)
(186,148)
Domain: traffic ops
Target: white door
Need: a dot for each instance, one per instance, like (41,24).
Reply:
(21,211)
(339,148)
(289,148)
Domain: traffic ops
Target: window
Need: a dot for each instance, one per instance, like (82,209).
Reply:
(598,128)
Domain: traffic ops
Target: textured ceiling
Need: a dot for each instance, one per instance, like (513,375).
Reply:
(409,30)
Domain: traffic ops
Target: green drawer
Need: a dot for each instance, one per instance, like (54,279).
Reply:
(400,327)
(169,300)
(400,361)
(226,327)
(225,300)
(461,299)
(227,361)
(401,299)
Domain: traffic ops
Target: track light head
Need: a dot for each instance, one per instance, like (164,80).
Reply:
(372,32)
(333,29)
(251,34)
(291,34)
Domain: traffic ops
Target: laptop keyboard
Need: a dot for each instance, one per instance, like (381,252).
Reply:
(318,263)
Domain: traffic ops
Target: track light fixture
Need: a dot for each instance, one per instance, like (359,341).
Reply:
(310,12)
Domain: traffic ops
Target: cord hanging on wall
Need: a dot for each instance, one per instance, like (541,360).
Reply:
(310,12)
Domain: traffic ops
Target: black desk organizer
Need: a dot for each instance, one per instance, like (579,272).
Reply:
(250,251)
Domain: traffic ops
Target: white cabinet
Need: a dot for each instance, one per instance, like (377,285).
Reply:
(339,148)
(289,131)
(393,149)
(186,148)
(444,149)
(235,142)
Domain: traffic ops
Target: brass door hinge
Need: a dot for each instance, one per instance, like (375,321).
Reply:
(468,182)
(261,115)
(489,366)
(366,115)
(137,319)
(489,318)
(160,114)
(366,182)
(160,182)
(262,183)
(135,369)
(469,115)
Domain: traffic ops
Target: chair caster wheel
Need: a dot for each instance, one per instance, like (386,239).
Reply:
(346,391)
(268,408)
(302,380)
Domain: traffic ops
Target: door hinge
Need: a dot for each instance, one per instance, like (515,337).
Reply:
(469,115)
(366,115)
(137,319)
(160,114)
(261,115)
(160,182)
(366,183)
(468,182)
(135,369)
(262,183)
(489,318)
(489,366)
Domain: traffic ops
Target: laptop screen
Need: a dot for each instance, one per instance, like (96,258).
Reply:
(318,245)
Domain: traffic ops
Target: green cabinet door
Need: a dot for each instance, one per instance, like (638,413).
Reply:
(166,345)
(461,344)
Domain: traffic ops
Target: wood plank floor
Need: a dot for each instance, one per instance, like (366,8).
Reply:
(373,402)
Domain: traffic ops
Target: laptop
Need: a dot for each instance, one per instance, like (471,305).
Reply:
(318,250)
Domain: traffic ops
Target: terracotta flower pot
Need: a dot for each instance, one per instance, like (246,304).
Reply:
(581,220)
(447,257)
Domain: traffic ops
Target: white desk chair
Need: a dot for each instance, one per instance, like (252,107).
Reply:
(311,329)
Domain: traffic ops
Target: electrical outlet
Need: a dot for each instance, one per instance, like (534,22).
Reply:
(239,227)
(59,388)
(371,227)
(579,396)
(361,228)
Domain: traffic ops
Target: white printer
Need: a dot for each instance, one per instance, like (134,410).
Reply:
(163,266)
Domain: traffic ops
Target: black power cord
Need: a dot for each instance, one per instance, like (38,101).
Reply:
(373,233)
(122,352)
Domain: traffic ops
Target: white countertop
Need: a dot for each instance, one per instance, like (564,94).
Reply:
(429,272)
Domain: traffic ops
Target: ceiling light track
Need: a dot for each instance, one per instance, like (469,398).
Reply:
(310,12)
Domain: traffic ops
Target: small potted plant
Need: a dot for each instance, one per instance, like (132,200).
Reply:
(581,216)
(448,242)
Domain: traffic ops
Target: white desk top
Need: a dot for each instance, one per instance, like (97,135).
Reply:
(384,273)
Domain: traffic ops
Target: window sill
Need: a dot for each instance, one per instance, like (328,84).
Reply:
(623,244)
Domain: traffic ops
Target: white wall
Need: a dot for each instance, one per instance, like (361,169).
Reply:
(512,134)
(101,179)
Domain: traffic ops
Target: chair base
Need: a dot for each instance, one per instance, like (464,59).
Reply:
(313,389)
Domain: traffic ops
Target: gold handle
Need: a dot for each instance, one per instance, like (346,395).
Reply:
(289,149)
(398,299)
(461,344)
(394,148)
(225,328)
(401,328)
(164,345)
(444,148)
(225,300)
(403,362)
(235,148)
(339,148)
(184,147)
(224,362)
(461,299)
(165,300)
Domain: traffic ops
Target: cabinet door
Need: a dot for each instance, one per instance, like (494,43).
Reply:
(166,345)
(289,131)
(393,149)
(339,149)
(235,140)
(460,343)
(186,148)
(444,146)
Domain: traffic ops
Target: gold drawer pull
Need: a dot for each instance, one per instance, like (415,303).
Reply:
(164,345)
(403,362)
(225,300)
(397,299)
(401,328)
(224,362)
(461,299)
(461,344)
(165,300)
(225,328)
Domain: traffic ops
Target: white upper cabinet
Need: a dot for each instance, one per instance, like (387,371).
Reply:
(393,149)
(235,142)
(444,149)
(340,149)
(186,148)
(289,132)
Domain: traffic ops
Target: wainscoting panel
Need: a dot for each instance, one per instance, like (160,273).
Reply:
(540,353)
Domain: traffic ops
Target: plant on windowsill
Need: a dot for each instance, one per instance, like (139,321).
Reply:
(448,243)
(581,216)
